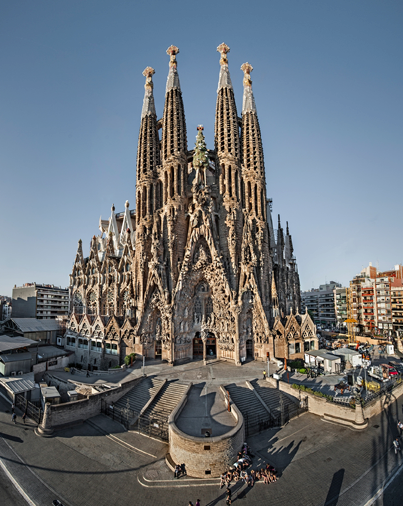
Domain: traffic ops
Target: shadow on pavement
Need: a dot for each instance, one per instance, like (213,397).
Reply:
(333,494)
(11,438)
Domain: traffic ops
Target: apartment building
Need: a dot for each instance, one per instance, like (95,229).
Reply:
(340,305)
(369,300)
(40,301)
(320,303)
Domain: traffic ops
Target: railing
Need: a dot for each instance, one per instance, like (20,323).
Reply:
(384,390)
(32,411)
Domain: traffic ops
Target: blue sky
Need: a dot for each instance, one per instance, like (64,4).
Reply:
(327,80)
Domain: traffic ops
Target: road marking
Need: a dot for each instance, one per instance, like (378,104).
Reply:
(16,485)
(125,444)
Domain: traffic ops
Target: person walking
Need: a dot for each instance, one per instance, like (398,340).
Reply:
(190,503)
(13,407)
(197,502)
(24,417)
(14,418)
(396,444)
(400,427)
(264,374)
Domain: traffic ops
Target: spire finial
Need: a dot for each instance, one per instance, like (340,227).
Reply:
(127,203)
(223,49)
(148,73)
(173,51)
(279,224)
(173,78)
(288,232)
(247,69)
(248,104)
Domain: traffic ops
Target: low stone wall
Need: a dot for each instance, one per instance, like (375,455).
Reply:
(205,457)
(332,411)
(78,411)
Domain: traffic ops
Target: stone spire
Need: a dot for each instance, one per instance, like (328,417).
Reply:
(252,148)
(148,154)
(226,119)
(174,139)
(80,250)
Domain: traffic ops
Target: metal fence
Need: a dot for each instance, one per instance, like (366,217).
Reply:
(153,425)
(275,419)
(385,390)
(32,411)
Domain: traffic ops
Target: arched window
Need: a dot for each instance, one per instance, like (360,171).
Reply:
(230,180)
(178,180)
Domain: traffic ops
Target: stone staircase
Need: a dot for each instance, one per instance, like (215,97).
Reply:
(166,400)
(139,395)
(256,416)
(273,398)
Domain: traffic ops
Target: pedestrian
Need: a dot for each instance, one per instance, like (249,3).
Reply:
(177,469)
(14,418)
(190,503)
(264,374)
(396,444)
(13,407)
(400,426)
(24,417)
(88,373)
(197,502)
(229,493)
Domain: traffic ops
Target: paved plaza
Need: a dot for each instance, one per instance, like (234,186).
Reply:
(99,463)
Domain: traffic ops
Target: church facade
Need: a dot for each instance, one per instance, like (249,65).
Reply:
(197,270)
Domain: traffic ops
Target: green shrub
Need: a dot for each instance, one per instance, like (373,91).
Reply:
(302,371)
(309,390)
(128,358)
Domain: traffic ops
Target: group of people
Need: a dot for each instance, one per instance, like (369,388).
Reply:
(239,472)
(180,469)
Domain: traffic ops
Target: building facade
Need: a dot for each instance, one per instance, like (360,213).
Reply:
(197,269)
(373,301)
(340,306)
(320,303)
(43,302)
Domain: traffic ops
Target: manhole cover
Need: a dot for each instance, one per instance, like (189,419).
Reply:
(328,459)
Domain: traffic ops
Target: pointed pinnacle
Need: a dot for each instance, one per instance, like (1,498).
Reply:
(223,49)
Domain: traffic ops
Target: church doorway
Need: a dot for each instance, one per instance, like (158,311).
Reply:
(158,349)
(211,347)
(197,346)
(249,348)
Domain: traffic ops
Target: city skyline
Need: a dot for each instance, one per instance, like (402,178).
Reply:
(327,90)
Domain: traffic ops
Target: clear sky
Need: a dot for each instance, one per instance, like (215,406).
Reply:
(327,79)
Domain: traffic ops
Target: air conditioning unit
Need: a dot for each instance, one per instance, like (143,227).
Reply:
(20,373)
(12,373)
(59,341)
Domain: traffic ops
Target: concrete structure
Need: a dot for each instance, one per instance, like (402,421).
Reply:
(6,309)
(330,362)
(198,269)
(49,395)
(349,355)
(40,301)
(43,331)
(320,303)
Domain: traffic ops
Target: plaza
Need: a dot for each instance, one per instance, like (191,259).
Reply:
(98,462)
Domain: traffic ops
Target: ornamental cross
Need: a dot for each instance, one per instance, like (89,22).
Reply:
(247,69)
(223,49)
(172,51)
(148,73)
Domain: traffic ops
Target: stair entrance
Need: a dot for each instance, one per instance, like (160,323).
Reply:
(153,425)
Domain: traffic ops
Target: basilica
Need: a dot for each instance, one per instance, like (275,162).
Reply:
(197,270)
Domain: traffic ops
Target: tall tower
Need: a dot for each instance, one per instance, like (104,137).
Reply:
(148,158)
(173,172)
(227,146)
(254,187)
